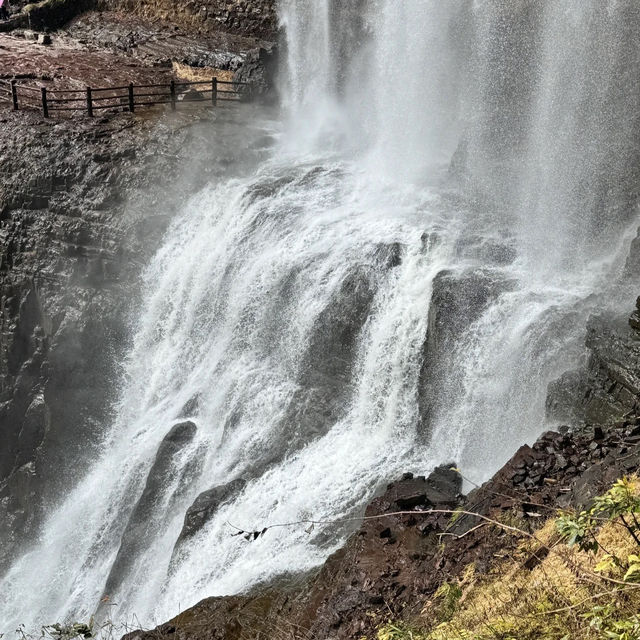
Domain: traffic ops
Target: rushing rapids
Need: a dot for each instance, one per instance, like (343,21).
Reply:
(450,193)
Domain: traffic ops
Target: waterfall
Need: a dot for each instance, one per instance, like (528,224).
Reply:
(450,196)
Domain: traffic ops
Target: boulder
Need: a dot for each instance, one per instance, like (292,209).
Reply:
(191,95)
(205,506)
(442,488)
(258,72)
(457,301)
(144,520)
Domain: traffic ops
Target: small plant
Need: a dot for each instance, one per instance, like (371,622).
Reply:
(619,505)
(447,597)
(399,631)
(603,620)
(578,530)
(585,589)
(69,632)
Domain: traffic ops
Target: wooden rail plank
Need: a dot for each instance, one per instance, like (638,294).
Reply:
(150,104)
(65,100)
(123,96)
(24,87)
(150,95)
(111,88)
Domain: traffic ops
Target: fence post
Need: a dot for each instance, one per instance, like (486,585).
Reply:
(45,108)
(14,95)
(172,89)
(132,105)
(89,103)
(214,92)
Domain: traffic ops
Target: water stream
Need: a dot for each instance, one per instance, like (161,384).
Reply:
(468,161)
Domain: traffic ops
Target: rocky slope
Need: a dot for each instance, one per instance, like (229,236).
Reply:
(251,18)
(255,18)
(392,567)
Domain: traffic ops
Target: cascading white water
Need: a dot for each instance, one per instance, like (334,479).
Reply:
(288,311)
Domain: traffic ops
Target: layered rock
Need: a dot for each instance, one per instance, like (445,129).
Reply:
(608,387)
(246,17)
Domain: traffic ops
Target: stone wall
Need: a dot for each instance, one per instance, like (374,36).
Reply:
(256,18)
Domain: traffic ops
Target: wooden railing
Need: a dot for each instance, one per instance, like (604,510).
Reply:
(124,98)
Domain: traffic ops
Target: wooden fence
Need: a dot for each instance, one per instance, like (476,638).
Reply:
(124,98)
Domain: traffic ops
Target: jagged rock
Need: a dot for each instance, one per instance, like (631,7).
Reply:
(144,518)
(608,387)
(614,370)
(442,487)
(206,505)
(457,301)
(191,95)
(258,72)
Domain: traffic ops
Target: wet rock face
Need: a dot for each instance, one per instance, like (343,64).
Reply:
(608,387)
(83,205)
(206,505)
(327,367)
(145,521)
(457,301)
(614,370)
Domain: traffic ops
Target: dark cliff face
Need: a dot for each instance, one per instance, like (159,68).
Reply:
(83,205)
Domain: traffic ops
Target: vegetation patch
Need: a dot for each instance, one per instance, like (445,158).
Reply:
(578,577)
